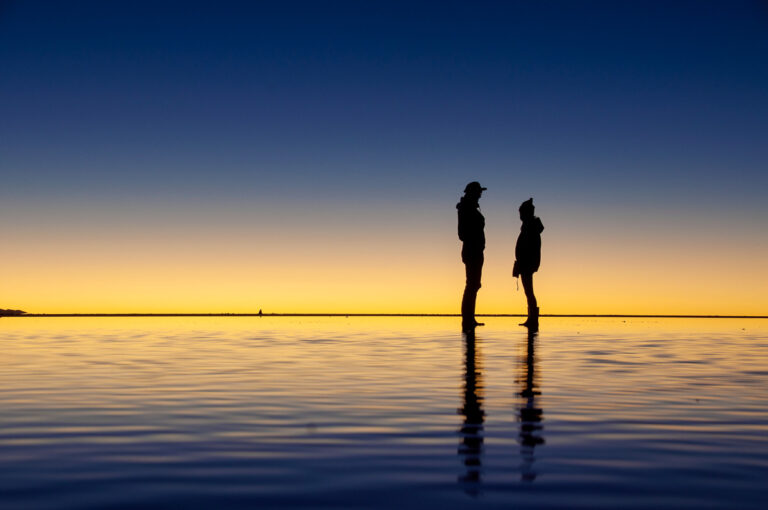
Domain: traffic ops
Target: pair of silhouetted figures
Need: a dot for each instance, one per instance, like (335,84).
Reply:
(472,235)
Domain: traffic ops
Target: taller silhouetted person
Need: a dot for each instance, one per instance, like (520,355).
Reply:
(528,258)
(472,234)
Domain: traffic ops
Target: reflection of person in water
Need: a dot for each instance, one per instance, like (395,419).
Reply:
(530,416)
(528,258)
(471,446)
(471,233)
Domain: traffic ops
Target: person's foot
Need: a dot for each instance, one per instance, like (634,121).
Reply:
(470,324)
(532,321)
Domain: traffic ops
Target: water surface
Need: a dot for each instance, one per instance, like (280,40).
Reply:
(381,412)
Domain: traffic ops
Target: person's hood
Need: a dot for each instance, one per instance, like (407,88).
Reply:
(534,224)
(467,202)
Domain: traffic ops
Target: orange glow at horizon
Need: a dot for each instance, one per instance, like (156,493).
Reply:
(242,270)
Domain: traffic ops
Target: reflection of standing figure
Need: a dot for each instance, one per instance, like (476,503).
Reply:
(530,416)
(472,234)
(471,446)
(528,258)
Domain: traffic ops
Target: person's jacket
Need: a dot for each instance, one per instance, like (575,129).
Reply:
(471,224)
(528,247)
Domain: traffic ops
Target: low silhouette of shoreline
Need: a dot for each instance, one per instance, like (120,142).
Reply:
(554,315)
(4,312)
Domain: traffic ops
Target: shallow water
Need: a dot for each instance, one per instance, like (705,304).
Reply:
(382,412)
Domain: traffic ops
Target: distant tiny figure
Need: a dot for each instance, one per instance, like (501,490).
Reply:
(528,258)
(472,234)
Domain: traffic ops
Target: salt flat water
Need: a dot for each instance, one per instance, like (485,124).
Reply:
(249,412)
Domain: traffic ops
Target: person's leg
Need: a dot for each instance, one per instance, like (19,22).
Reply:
(527,279)
(467,301)
(474,270)
(533,309)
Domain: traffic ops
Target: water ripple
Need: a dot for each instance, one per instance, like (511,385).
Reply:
(376,413)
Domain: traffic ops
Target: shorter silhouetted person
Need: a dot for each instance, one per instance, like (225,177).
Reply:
(528,258)
(472,235)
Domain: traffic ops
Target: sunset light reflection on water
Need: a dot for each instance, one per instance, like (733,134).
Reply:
(376,412)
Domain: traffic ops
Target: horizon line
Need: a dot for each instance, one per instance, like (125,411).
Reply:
(318,314)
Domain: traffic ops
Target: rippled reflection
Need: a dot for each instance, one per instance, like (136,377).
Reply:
(530,414)
(381,413)
(471,446)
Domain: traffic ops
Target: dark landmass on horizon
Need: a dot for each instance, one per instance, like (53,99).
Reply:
(11,313)
(631,316)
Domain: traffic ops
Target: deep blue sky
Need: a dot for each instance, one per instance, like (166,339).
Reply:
(360,97)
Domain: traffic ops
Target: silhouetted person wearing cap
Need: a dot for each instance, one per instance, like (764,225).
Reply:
(528,258)
(471,233)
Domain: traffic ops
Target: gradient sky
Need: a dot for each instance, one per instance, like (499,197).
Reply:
(307,157)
